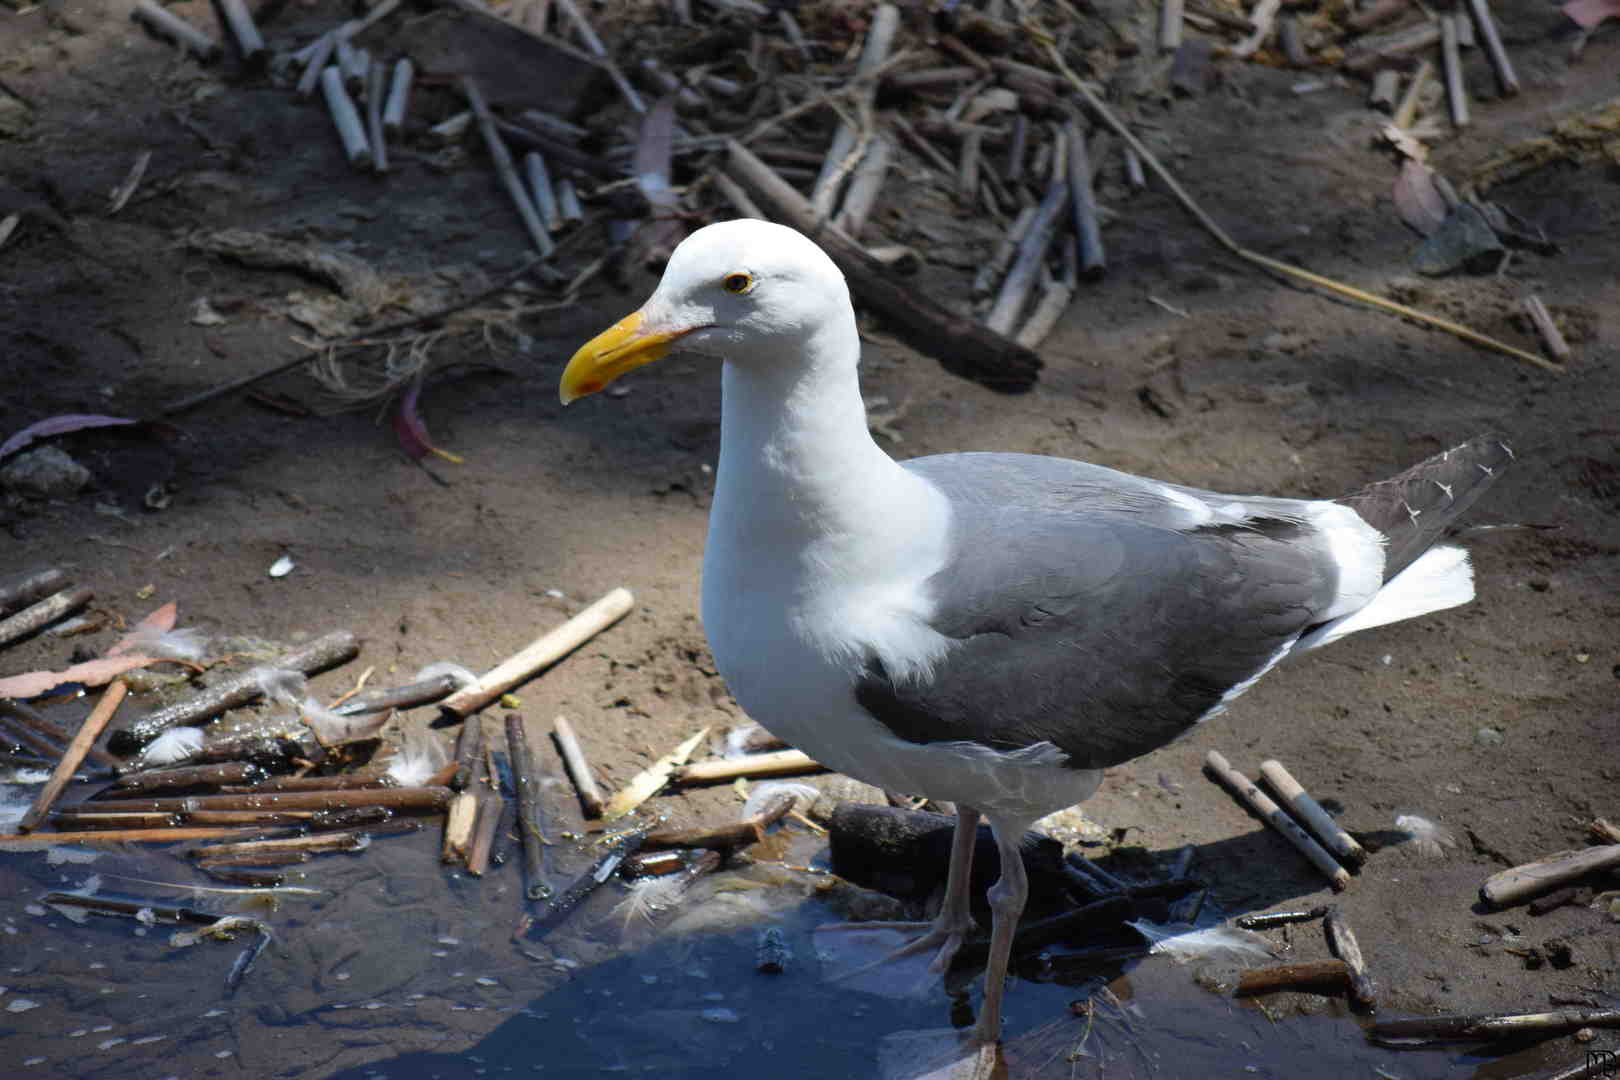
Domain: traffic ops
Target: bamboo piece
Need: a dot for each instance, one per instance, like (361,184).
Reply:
(1100,107)
(1542,319)
(1093,262)
(345,118)
(94,724)
(399,94)
(1273,815)
(967,169)
(1386,87)
(35,841)
(879,41)
(1031,253)
(186,776)
(341,782)
(1494,50)
(247,36)
(328,650)
(491,808)
(38,616)
(168,25)
(1308,810)
(1013,168)
(151,819)
(502,158)
(1317,975)
(779,763)
(526,778)
(539,654)
(1341,941)
(23,591)
(1278,918)
(1054,301)
(1451,64)
(430,799)
(579,770)
(459,824)
(1171,15)
(960,345)
(1522,882)
(568,203)
(262,858)
(940,78)
(423,692)
(376,81)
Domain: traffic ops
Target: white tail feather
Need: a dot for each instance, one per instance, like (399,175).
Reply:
(1440,578)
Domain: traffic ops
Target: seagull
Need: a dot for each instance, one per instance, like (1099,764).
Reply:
(991,629)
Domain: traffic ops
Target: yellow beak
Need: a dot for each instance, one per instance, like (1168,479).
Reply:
(622,347)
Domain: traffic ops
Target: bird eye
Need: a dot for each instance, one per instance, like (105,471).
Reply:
(737,283)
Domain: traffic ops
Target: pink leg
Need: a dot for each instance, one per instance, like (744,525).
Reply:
(1007,899)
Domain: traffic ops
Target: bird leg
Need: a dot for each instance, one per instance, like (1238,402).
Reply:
(1007,898)
(943,936)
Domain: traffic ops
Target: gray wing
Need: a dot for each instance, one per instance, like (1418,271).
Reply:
(1096,610)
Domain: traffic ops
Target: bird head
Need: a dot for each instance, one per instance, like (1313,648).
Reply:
(736,291)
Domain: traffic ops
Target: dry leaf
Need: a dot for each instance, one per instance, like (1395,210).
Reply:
(90,673)
(1588,13)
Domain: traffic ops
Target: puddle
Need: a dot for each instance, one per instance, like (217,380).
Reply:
(400,969)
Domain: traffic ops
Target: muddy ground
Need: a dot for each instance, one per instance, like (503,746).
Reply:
(1496,720)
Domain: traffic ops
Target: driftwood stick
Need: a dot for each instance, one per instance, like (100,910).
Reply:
(31,588)
(538,885)
(779,763)
(1273,815)
(1308,810)
(1032,249)
(93,726)
(469,753)
(315,843)
(502,158)
(1487,1026)
(422,692)
(1510,886)
(38,616)
(429,799)
(184,778)
(1373,52)
(733,834)
(1542,319)
(248,39)
(35,723)
(961,346)
(37,840)
(539,654)
(1341,942)
(459,825)
(1054,301)
(1317,975)
(1451,65)
(579,769)
(1494,50)
(1093,263)
(491,808)
(340,782)
(1278,918)
(329,650)
(168,25)
(75,819)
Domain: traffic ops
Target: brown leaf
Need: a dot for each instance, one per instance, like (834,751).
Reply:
(90,673)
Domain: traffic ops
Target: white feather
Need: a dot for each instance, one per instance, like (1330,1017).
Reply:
(445,667)
(1212,943)
(176,744)
(1428,838)
(330,727)
(282,685)
(189,644)
(419,758)
(762,795)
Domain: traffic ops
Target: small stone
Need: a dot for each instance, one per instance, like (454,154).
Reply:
(1487,736)
(46,473)
(1584,1035)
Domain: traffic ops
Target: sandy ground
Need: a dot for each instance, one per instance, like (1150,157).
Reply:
(1495,720)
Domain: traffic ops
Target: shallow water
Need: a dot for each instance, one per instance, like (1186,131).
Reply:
(404,970)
